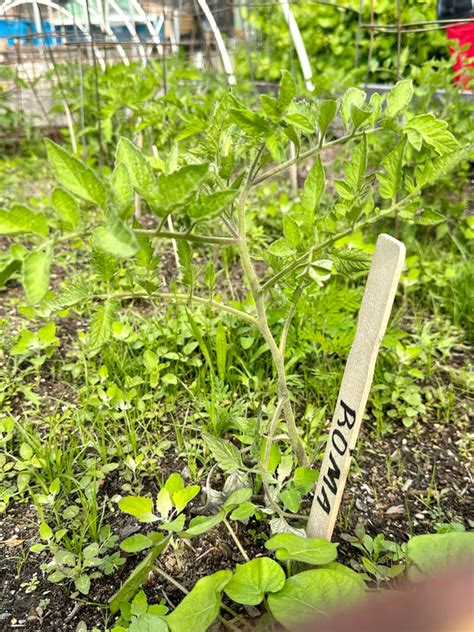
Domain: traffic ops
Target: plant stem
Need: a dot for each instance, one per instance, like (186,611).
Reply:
(310,152)
(236,540)
(262,321)
(175,297)
(202,239)
(307,257)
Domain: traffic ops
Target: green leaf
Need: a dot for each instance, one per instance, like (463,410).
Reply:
(313,187)
(280,248)
(287,91)
(36,274)
(178,186)
(45,531)
(399,97)
(148,622)
(123,190)
(136,543)
(200,608)
(184,496)
(315,551)
(353,96)
(237,497)
(66,207)
(8,271)
(137,577)
(212,205)
(139,169)
(274,456)
(390,182)
(100,327)
(313,593)
(202,524)
(22,220)
(83,584)
(291,231)
(326,112)
(226,454)
(221,351)
(139,604)
(75,176)
(174,482)
(244,512)
(253,580)
(433,552)
(350,260)
(139,506)
(249,122)
(116,238)
(175,525)
(434,132)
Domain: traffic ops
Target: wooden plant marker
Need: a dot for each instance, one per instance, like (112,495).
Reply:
(374,313)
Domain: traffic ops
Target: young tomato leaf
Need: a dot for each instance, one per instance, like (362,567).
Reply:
(123,190)
(326,112)
(313,593)
(390,182)
(75,176)
(116,238)
(226,454)
(139,170)
(66,207)
(174,483)
(178,186)
(101,324)
(184,496)
(209,206)
(433,132)
(399,97)
(353,96)
(202,524)
(199,609)
(253,580)
(315,551)
(36,273)
(22,220)
(313,187)
(287,91)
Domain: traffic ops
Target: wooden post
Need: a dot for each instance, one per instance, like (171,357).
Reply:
(374,313)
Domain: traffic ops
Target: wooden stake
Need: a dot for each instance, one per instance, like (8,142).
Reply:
(374,313)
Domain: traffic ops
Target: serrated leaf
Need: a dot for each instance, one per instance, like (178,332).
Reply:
(313,593)
(313,187)
(199,609)
(291,231)
(225,453)
(123,190)
(287,91)
(36,274)
(178,186)
(75,176)
(253,580)
(281,248)
(66,207)
(390,182)
(100,327)
(139,168)
(433,131)
(315,551)
(76,293)
(22,220)
(212,205)
(116,238)
(399,97)
(350,260)
(248,121)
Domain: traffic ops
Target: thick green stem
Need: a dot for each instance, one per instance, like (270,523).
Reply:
(262,322)
(310,152)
